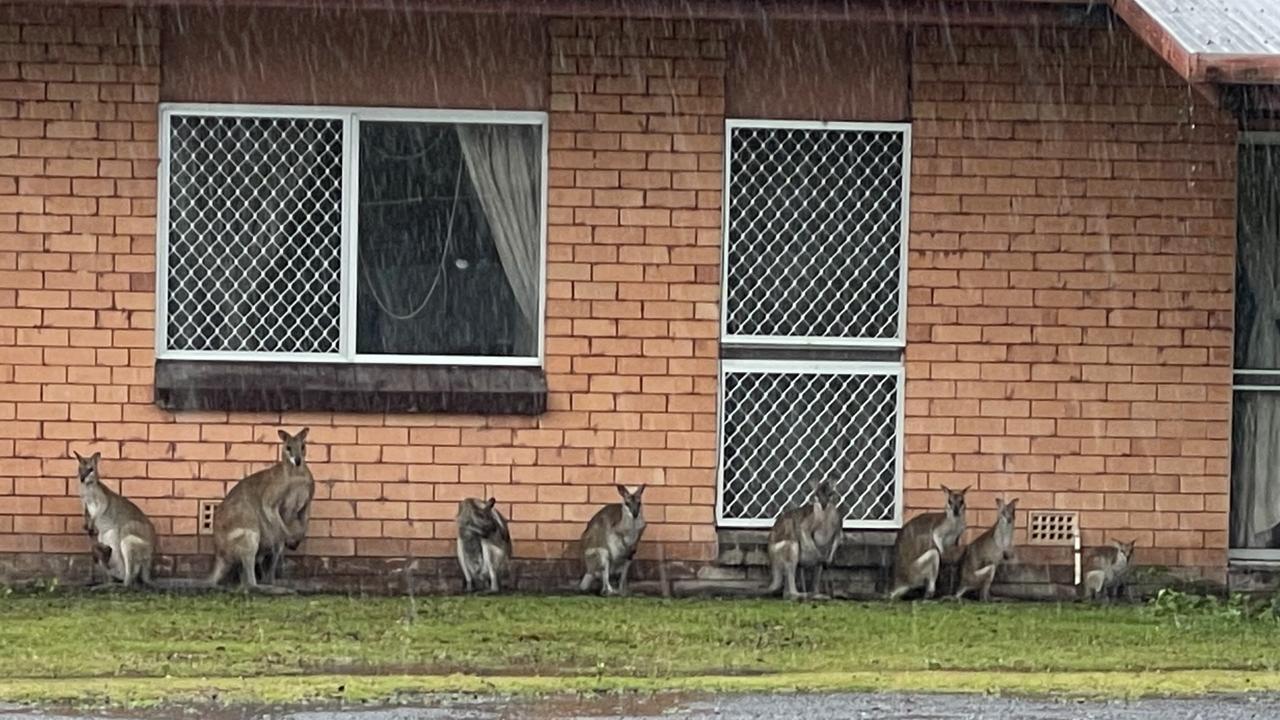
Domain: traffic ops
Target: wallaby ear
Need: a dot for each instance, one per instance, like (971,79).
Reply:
(639,491)
(302,434)
(946,489)
(622,491)
(95,457)
(1012,503)
(489,505)
(1000,504)
(284,436)
(966,489)
(78,456)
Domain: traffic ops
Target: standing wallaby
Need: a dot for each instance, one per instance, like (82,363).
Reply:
(805,537)
(918,550)
(124,540)
(262,515)
(1106,568)
(610,540)
(484,543)
(983,556)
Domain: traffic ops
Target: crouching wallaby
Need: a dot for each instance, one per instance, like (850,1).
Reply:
(610,540)
(918,550)
(484,543)
(983,556)
(262,515)
(1106,568)
(124,540)
(805,537)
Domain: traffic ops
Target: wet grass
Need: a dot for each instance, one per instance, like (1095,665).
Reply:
(62,646)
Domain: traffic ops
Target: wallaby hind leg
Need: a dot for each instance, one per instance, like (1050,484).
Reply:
(929,564)
(468,583)
(624,575)
(607,590)
(489,557)
(792,567)
(816,591)
(988,575)
(588,579)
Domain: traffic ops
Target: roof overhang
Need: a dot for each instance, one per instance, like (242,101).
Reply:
(1225,42)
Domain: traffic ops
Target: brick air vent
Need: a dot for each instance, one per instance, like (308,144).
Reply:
(1051,528)
(207,510)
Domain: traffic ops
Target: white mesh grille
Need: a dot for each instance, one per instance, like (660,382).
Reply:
(254,234)
(815,233)
(783,429)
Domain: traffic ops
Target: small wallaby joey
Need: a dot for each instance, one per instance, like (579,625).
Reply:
(805,537)
(920,545)
(1105,569)
(484,543)
(983,556)
(609,542)
(124,540)
(262,515)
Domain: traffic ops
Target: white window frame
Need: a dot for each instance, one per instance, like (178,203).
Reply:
(351,118)
(1268,556)
(899,340)
(790,343)
(823,367)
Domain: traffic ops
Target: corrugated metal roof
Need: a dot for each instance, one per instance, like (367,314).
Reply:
(1211,41)
(1220,27)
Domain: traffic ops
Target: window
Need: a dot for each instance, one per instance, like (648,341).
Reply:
(351,236)
(813,321)
(1255,426)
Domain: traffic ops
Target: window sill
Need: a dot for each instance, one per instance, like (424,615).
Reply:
(335,387)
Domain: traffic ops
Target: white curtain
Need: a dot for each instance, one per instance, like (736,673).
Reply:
(505,171)
(1255,503)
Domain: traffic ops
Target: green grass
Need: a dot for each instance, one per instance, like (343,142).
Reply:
(140,648)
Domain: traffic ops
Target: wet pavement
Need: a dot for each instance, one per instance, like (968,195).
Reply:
(868,706)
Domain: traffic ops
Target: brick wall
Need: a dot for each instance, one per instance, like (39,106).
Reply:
(633,272)
(1070,300)
(1071,287)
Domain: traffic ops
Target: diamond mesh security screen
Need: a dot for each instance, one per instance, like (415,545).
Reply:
(782,430)
(815,235)
(254,234)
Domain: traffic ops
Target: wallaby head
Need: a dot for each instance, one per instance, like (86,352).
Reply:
(1006,509)
(955,501)
(88,472)
(825,495)
(293,452)
(631,500)
(477,516)
(1124,548)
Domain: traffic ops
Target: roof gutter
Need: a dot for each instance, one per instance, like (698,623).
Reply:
(1197,68)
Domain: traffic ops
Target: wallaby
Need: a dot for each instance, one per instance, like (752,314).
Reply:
(1105,569)
(918,550)
(484,543)
(983,556)
(805,537)
(262,515)
(609,542)
(124,540)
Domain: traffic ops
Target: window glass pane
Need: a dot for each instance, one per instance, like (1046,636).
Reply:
(1257,334)
(1255,470)
(254,235)
(814,236)
(783,431)
(449,239)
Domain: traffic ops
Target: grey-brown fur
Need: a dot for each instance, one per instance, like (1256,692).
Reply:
(805,537)
(920,545)
(484,543)
(982,558)
(609,542)
(262,515)
(1105,570)
(124,539)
